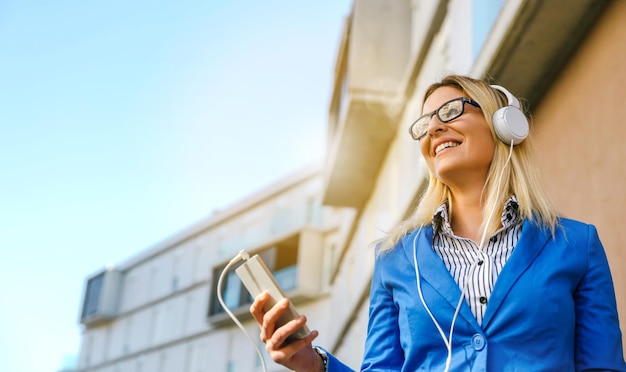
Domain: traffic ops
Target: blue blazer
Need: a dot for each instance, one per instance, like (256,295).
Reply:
(552,308)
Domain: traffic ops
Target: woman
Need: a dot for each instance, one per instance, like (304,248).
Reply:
(484,275)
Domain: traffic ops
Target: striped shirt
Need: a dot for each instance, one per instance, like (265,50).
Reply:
(474,270)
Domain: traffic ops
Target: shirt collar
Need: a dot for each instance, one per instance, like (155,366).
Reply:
(510,216)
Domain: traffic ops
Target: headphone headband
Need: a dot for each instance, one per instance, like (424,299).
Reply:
(510,97)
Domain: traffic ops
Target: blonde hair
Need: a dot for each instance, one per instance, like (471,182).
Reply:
(519,178)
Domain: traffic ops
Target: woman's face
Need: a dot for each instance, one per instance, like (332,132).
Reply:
(459,152)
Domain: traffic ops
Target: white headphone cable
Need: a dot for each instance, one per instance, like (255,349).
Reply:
(493,209)
(419,292)
(448,340)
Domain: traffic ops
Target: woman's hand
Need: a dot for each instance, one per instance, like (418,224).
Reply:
(298,355)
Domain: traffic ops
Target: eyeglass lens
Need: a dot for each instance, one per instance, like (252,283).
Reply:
(447,112)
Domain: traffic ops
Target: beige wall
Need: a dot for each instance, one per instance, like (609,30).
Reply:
(580,132)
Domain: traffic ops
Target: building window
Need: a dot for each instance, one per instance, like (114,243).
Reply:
(231,366)
(233,293)
(484,15)
(92,296)
(157,326)
(175,272)
(128,331)
(101,297)
(88,349)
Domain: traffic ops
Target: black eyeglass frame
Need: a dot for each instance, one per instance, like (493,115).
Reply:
(464,100)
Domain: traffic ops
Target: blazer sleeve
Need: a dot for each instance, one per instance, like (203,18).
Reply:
(598,336)
(383,351)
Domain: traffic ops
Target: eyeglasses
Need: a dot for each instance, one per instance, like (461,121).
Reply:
(446,113)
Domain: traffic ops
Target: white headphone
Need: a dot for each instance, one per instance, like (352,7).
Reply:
(509,122)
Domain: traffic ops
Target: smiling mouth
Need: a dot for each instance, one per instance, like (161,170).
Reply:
(445,145)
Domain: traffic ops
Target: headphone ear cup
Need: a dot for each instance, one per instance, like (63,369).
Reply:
(510,124)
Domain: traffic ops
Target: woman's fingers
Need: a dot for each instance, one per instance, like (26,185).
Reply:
(285,354)
(267,320)
(268,324)
(296,355)
(256,309)
(280,335)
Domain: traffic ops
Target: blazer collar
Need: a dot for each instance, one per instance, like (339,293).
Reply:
(531,242)
(433,271)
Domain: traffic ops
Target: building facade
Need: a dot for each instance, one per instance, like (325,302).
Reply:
(159,311)
(563,58)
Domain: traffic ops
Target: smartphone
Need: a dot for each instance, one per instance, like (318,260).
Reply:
(256,277)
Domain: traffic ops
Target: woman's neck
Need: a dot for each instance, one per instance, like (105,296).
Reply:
(466,215)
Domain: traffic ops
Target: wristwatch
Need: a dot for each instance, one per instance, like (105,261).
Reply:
(322,353)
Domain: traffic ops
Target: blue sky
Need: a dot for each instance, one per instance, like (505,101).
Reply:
(123,122)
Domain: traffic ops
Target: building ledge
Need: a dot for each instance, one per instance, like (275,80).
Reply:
(357,153)
(371,64)
(533,40)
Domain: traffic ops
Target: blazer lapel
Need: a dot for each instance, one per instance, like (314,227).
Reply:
(531,242)
(433,271)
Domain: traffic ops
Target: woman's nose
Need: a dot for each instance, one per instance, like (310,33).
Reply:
(435,125)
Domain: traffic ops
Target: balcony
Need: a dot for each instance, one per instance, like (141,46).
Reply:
(365,105)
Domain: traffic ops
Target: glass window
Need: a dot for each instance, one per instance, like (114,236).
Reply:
(233,293)
(286,277)
(92,295)
(484,16)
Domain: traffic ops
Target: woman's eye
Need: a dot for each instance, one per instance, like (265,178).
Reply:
(448,112)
